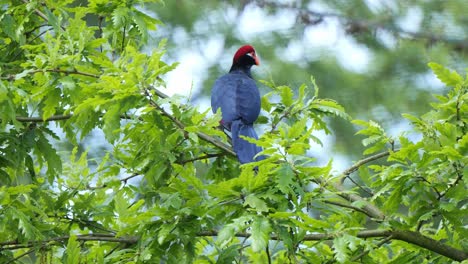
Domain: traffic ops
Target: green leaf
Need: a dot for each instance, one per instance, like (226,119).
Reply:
(229,254)
(121,205)
(285,176)
(111,122)
(52,20)
(28,230)
(141,25)
(256,203)
(73,251)
(54,162)
(286,95)
(329,106)
(51,102)
(340,248)
(448,77)
(120,16)
(266,104)
(298,128)
(261,229)
(225,235)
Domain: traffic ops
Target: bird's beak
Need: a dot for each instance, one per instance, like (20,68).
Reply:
(257,60)
(254,56)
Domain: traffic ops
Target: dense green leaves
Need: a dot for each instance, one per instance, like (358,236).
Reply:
(97,165)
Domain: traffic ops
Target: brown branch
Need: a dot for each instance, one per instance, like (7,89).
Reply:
(369,208)
(207,156)
(38,12)
(42,15)
(68,72)
(313,237)
(123,180)
(13,260)
(360,187)
(12,76)
(365,252)
(345,174)
(40,119)
(349,206)
(11,245)
(418,239)
(459,173)
(411,237)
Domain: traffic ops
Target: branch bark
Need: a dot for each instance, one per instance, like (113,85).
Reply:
(42,15)
(11,245)
(38,119)
(419,239)
(411,237)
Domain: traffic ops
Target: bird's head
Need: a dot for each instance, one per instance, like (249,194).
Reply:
(245,57)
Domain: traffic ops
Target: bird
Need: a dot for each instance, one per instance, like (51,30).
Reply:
(238,97)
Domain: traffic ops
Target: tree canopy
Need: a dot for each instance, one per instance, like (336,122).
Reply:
(99,165)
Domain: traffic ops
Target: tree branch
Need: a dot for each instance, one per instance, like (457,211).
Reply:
(41,15)
(345,174)
(354,25)
(458,170)
(40,119)
(207,156)
(385,240)
(418,239)
(11,245)
(411,237)
(369,208)
(349,206)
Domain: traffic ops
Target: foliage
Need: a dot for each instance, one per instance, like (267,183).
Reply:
(168,188)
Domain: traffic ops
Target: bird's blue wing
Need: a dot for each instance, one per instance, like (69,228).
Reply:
(238,97)
(224,97)
(248,97)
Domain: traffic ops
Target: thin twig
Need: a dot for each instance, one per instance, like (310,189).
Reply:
(361,187)
(20,256)
(40,119)
(42,15)
(349,206)
(123,180)
(10,245)
(365,252)
(459,173)
(12,77)
(358,164)
(267,251)
(207,156)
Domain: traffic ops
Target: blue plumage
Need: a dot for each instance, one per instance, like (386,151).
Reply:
(239,99)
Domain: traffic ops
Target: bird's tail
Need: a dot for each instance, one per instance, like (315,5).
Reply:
(245,151)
